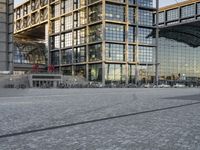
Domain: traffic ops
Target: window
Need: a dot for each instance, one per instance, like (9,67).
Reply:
(115,32)
(55,10)
(95,52)
(66,40)
(79,54)
(131,53)
(55,42)
(172,14)
(115,12)
(95,13)
(188,11)
(131,15)
(198,8)
(66,6)
(131,34)
(80,18)
(55,26)
(80,36)
(115,72)
(66,23)
(161,17)
(145,17)
(55,58)
(66,56)
(145,54)
(79,3)
(144,36)
(115,52)
(95,72)
(95,33)
(146,3)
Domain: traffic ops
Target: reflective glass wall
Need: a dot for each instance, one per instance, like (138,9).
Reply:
(178,61)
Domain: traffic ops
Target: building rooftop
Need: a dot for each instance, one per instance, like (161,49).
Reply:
(187,2)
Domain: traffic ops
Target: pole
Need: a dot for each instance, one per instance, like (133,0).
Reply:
(157,36)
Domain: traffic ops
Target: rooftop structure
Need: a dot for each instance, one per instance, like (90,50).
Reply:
(181,22)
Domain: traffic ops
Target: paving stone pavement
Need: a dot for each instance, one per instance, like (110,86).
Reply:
(148,127)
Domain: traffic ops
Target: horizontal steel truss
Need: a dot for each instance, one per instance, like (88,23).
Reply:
(180,19)
(30,14)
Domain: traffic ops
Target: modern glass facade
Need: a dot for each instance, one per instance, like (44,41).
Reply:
(178,47)
(178,61)
(101,40)
(6,35)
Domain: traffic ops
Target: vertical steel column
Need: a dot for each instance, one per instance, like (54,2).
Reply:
(103,43)
(137,42)
(157,36)
(11,51)
(126,40)
(87,41)
(49,31)
(72,65)
(7,38)
(60,54)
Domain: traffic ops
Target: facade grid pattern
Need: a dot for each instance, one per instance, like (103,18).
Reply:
(97,39)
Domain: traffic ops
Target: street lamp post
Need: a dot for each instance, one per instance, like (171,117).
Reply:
(157,36)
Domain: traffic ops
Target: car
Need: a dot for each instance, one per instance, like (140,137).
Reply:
(164,86)
(147,86)
(178,85)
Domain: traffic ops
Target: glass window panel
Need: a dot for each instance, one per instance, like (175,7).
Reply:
(172,14)
(115,32)
(95,33)
(131,15)
(95,72)
(188,11)
(115,12)
(95,52)
(55,58)
(115,73)
(145,17)
(146,3)
(66,56)
(95,13)
(79,54)
(145,54)
(144,36)
(115,52)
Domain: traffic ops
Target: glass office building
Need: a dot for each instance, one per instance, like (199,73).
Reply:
(178,61)
(101,40)
(6,34)
(179,43)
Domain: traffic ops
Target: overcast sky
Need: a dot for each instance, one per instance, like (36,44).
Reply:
(162,2)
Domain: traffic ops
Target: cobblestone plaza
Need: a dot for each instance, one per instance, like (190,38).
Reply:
(103,119)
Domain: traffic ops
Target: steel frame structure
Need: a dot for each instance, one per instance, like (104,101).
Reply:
(34,13)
